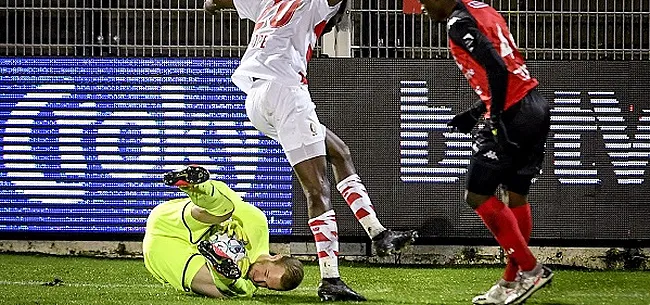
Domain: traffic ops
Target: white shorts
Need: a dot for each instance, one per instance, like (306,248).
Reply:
(287,115)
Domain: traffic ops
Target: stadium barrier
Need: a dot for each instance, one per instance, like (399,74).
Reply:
(85,141)
(548,30)
(599,258)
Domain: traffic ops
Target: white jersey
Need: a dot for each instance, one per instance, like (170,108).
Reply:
(285,33)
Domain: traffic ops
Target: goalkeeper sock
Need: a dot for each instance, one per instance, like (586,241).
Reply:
(355,194)
(213,196)
(327,243)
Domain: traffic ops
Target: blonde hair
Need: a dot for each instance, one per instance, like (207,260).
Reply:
(293,273)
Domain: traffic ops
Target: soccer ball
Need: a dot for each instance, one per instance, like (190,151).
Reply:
(230,247)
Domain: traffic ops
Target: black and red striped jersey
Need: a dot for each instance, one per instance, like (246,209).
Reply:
(487,55)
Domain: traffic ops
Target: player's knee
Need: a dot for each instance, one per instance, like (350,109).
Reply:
(339,154)
(474,200)
(516,199)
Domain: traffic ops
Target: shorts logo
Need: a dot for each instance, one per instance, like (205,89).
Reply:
(491,155)
(312,127)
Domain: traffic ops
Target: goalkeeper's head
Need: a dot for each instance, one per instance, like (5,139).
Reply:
(276,272)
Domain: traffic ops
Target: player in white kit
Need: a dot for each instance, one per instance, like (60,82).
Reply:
(273,74)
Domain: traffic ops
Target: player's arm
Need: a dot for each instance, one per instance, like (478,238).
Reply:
(466,120)
(464,32)
(214,6)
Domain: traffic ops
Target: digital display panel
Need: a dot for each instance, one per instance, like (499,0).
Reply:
(84,142)
(393,114)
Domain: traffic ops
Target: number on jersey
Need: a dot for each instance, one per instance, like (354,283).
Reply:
(279,14)
(477,4)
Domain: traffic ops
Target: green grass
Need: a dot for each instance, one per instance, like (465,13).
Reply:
(90,281)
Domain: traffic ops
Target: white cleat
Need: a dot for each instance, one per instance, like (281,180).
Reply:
(497,295)
(530,282)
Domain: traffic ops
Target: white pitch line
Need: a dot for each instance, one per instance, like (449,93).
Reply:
(32,283)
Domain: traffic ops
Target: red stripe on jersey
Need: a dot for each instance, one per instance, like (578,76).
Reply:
(318,30)
(320,237)
(303,78)
(519,80)
(322,254)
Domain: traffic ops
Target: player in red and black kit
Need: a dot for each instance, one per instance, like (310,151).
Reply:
(509,150)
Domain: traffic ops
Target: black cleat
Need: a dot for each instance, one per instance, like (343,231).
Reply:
(190,175)
(337,290)
(390,242)
(219,261)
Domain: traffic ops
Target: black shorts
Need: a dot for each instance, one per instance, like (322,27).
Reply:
(493,162)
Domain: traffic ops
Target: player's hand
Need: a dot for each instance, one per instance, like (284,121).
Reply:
(210,7)
(466,120)
(463,122)
(234,230)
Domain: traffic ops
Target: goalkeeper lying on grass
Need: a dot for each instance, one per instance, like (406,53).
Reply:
(212,242)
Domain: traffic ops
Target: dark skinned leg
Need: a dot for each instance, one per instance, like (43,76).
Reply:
(338,154)
(315,185)
(385,241)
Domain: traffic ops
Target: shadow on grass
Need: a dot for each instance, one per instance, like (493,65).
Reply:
(314,299)
(287,298)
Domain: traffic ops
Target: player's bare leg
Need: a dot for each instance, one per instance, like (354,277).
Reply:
(322,222)
(349,184)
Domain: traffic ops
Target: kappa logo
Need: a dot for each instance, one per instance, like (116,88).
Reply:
(491,155)
(469,41)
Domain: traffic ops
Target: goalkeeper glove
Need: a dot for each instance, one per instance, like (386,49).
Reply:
(233,229)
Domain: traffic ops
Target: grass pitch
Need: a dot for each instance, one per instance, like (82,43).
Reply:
(90,281)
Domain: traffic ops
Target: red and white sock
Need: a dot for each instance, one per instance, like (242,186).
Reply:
(355,194)
(503,225)
(525,223)
(326,235)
